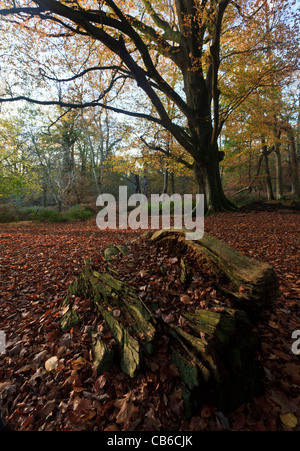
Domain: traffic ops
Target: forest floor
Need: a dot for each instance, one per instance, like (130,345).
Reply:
(37,264)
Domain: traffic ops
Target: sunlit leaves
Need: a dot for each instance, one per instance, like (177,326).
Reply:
(17,172)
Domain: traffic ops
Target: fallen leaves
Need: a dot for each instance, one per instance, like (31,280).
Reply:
(37,264)
(289,420)
(128,411)
(152,423)
(51,364)
(185,299)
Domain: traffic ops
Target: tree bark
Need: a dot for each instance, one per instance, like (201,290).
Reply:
(279,185)
(209,183)
(293,162)
(268,182)
(137,184)
(166,179)
(145,185)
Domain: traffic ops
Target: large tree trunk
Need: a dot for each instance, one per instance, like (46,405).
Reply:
(207,156)
(209,183)
(172,183)
(214,351)
(137,184)
(202,96)
(268,182)
(145,185)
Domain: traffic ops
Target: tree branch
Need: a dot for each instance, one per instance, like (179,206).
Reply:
(81,106)
(84,19)
(85,71)
(167,153)
(169,33)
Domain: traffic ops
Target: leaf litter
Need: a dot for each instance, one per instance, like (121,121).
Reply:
(38,263)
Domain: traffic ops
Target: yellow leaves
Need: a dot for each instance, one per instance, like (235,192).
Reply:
(289,420)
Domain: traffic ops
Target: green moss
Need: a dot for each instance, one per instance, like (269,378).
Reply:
(128,346)
(103,356)
(69,320)
(188,370)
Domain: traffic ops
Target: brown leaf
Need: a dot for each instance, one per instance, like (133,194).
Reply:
(219,309)
(78,364)
(293,371)
(100,382)
(168,318)
(116,313)
(151,423)
(154,366)
(287,405)
(185,299)
(112,428)
(282,355)
(81,404)
(206,411)
(176,402)
(127,408)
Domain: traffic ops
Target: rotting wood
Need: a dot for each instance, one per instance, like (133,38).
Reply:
(252,284)
(215,352)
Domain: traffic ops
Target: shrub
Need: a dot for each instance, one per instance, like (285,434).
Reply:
(27,213)
(77,212)
(50,216)
(8,213)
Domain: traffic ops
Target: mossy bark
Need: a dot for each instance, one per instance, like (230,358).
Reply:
(69,320)
(102,355)
(134,331)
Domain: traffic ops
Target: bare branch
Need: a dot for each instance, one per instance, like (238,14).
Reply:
(81,106)
(81,74)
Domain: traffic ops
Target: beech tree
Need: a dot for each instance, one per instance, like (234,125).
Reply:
(187,34)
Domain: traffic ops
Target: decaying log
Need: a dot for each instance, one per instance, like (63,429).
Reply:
(215,352)
(252,284)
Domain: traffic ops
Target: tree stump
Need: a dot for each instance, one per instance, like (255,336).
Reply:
(215,352)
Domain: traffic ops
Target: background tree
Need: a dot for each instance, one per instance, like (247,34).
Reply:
(18,177)
(189,34)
